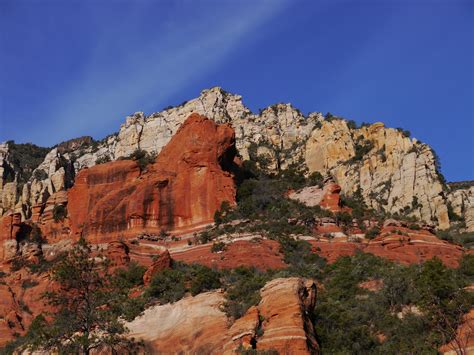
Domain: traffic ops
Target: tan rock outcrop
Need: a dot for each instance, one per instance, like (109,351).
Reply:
(462,202)
(197,324)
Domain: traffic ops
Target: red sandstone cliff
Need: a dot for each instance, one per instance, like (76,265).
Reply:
(181,190)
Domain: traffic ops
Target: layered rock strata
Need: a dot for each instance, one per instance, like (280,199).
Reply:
(197,324)
(393,172)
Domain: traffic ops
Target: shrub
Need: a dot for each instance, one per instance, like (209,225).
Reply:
(25,158)
(404,132)
(40,174)
(351,124)
(361,149)
(129,277)
(315,178)
(217,247)
(59,213)
(167,286)
(372,233)
(170,285)
(142,157)
(102,160)
(242,290)
(29,283)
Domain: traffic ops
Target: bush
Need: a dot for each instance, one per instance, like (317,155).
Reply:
(170,285)
(242,290)
(142,157)
(404,132)
(372,233)
(25,158)
(167,286)
(29,283)
(362,148)
(129,277)
(40,174)
(102,160)
(217,247)
(59,213)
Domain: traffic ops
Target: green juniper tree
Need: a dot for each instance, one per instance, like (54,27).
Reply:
(87,300)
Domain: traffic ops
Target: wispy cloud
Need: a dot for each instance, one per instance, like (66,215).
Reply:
(148,73)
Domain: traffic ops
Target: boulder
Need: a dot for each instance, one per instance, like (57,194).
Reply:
(162,260)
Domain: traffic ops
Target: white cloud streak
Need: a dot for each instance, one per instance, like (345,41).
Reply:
(152,73)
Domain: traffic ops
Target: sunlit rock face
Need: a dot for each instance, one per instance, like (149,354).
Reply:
(181,190)
(197,324)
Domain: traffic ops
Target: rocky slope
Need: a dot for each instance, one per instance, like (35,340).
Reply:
(128,210)
(280,322)
(392,171)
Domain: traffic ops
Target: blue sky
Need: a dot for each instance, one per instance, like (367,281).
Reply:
(70,68)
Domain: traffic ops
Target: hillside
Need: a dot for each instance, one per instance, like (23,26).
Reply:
(230,231)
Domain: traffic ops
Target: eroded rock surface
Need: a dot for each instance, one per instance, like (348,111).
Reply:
(181,190)
(197,324)
(392,171)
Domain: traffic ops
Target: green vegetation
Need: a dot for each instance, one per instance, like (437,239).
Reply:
(102,160)
(171,285)
(142,157)
(88,305)
(40,174)
(217,247)
(362,148)
(454,236)
(59,212)
(349,319)
(404,132)
(25,158)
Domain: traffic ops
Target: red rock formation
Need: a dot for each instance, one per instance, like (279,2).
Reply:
(408,246)
(10,229)
(18,304)
(118,254)
(198,325)
(332,250)
(181,190)
(262,254)
(331,198)
(284,306)
(10,226)
(162,260)
(53,230)
(399,244)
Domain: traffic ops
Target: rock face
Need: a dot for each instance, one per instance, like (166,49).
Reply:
(262,254)
(462,203)
(392,171)
(197,325)
(181,190)
(10,228)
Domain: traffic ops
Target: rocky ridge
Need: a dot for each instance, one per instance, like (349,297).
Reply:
(392,171)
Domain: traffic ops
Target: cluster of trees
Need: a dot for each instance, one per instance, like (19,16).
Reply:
(415,308)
